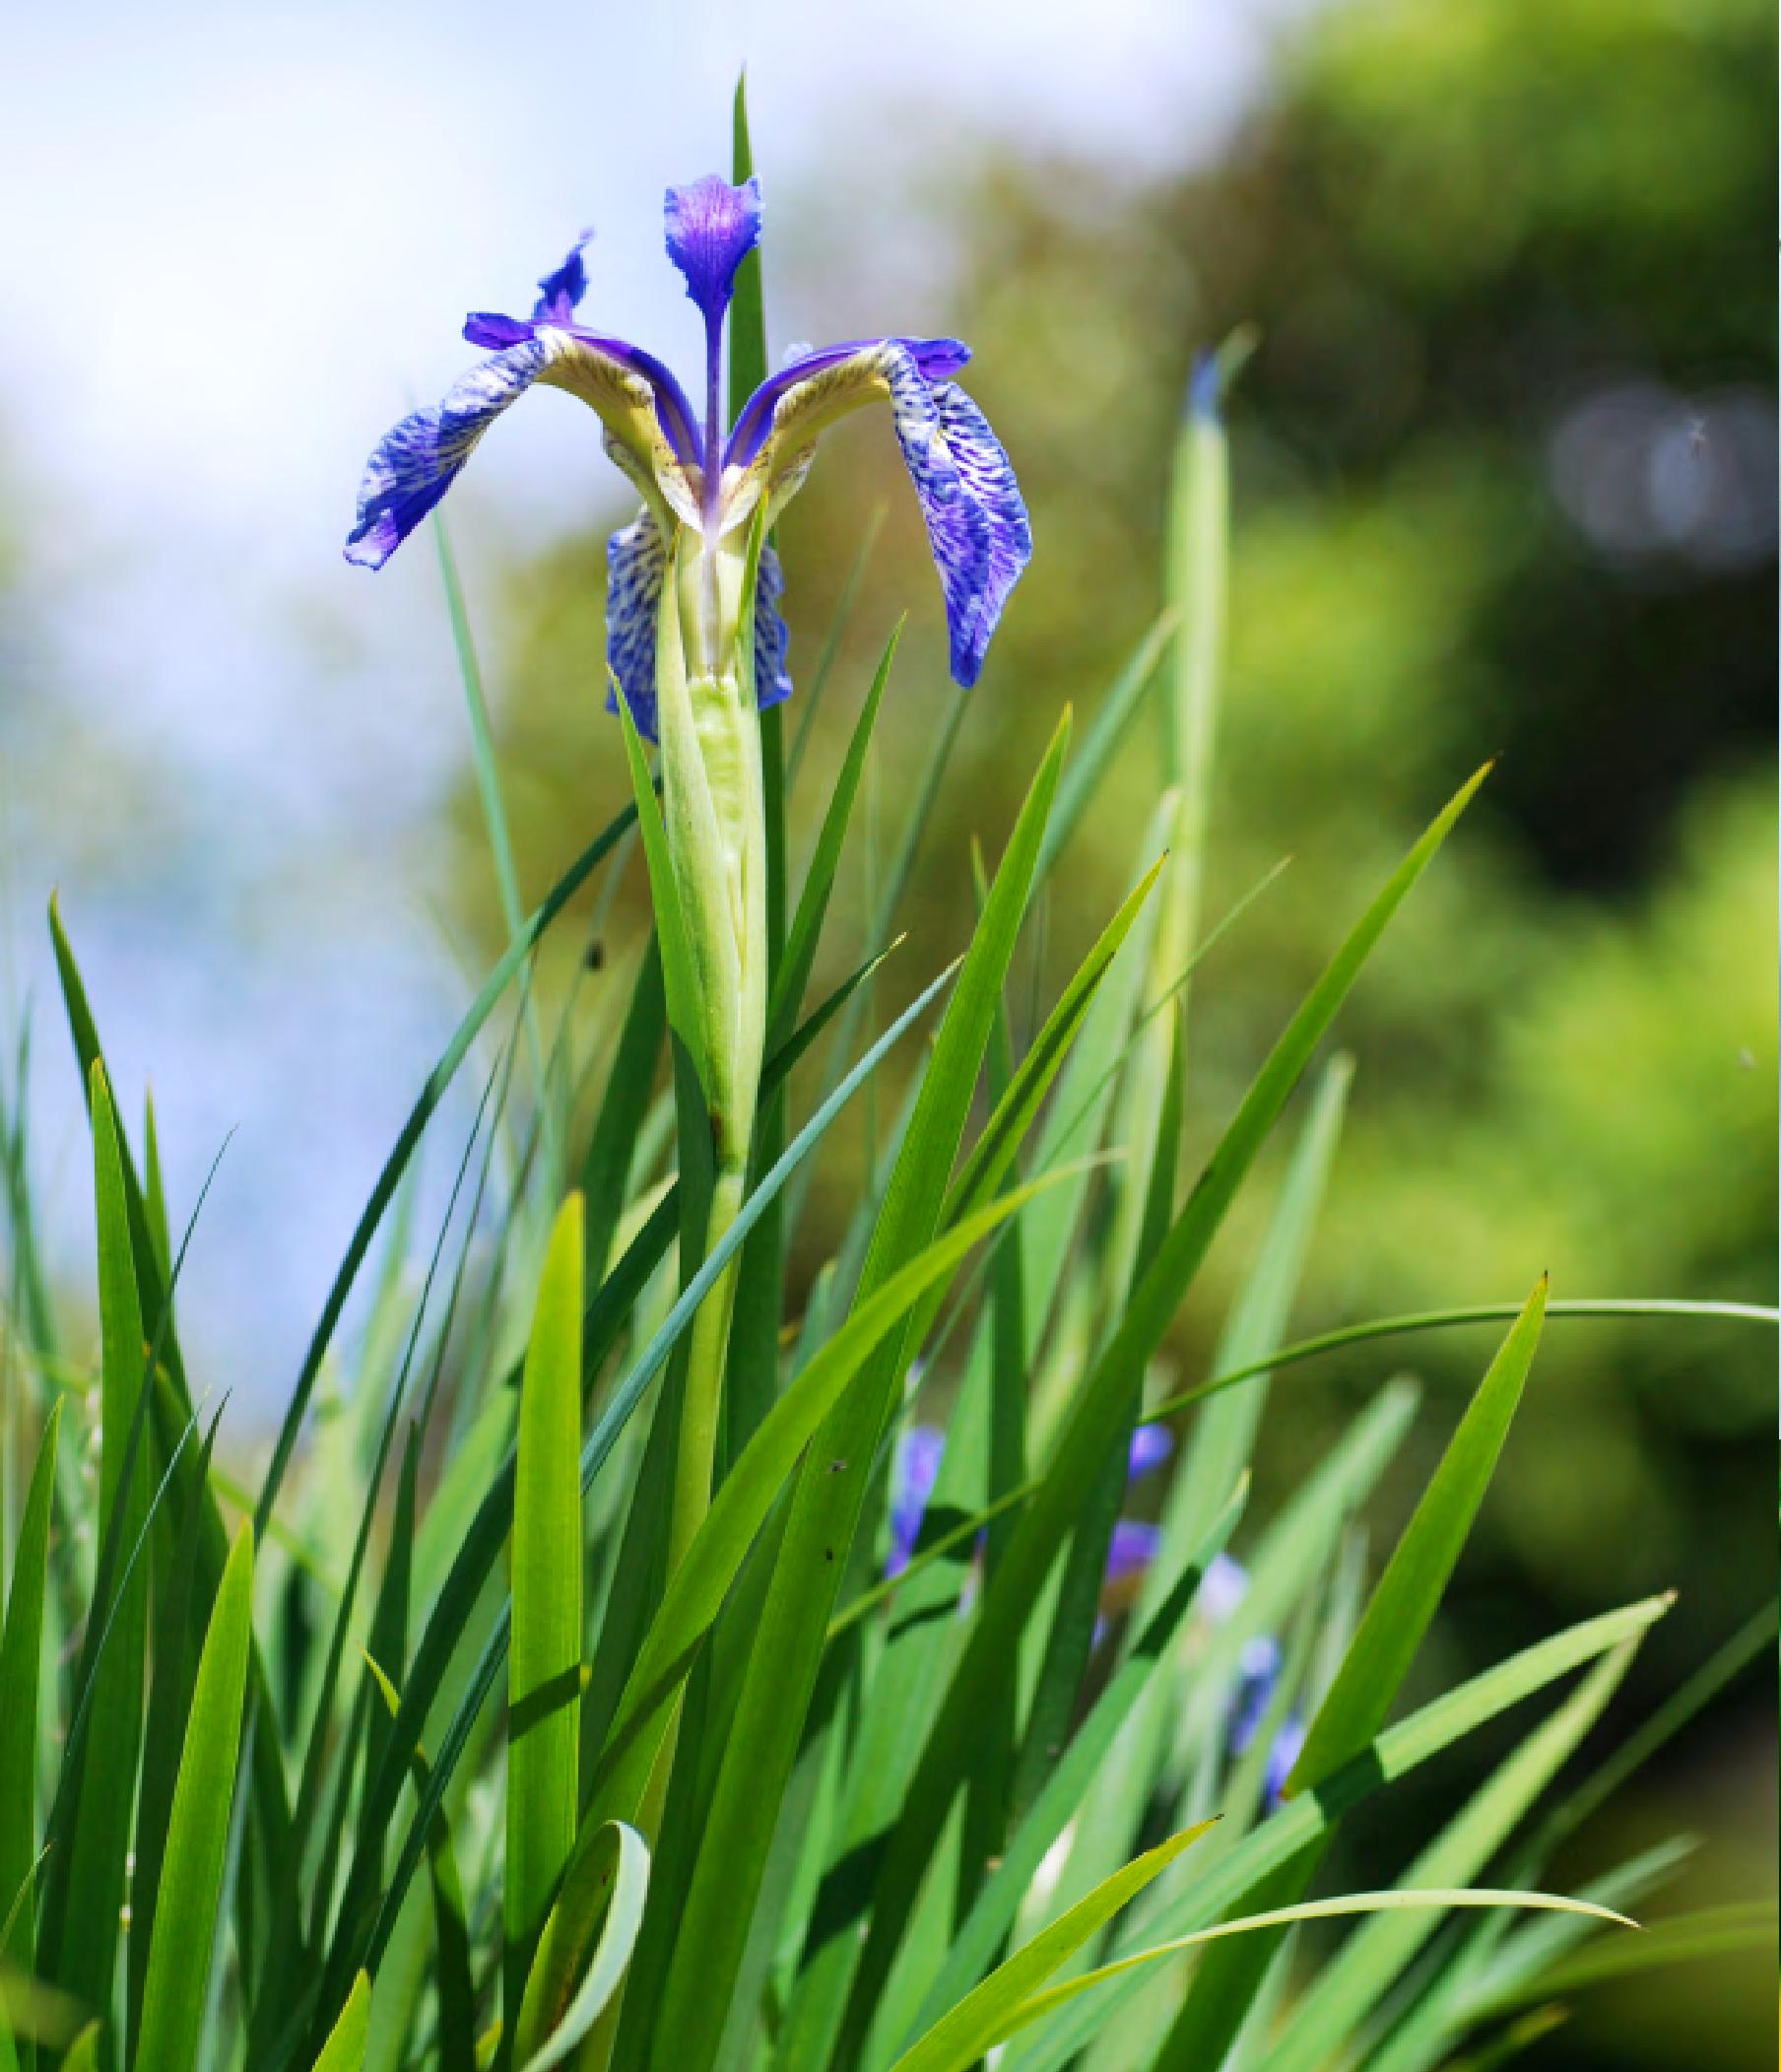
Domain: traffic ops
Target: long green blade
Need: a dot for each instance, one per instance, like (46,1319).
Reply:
(106,1787)
(21,1660)
(1356,1705)
(1096,1425)
(542,1664)
(831,1492)
(396,1164)
(191,1872)
(623,1885)
(992,2011)
(344,2050)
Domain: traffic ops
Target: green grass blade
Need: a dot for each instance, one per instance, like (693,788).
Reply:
(819,880)
(715,1556)
(828,1501)
(811,697)
(623,1887)
(542,1664)
(1095,1426)
(21,1661)
(1223,1437)
(1350,1984)
(606,1170)
(344,2050)
(990,2012)
(354,1937)
(1066,1788)
(181,1618)
(1579,1309)
(396,1164)
(1304,1823)
(1682,1938)
(98,1835)
(1356,1705)
(753,1359)
(1102,739)
(1404,1605)
(1040,2005)
(272,1812)
(488,792)
(191,1876)
(1750,1643)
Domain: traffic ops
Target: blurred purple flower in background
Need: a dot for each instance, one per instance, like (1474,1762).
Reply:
(917,1464)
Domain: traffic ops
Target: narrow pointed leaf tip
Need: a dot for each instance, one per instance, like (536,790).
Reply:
(1215,369)
(712,229)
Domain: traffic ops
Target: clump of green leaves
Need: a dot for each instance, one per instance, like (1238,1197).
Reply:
(426,1753)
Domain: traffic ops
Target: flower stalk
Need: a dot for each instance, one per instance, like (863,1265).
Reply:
(714,814)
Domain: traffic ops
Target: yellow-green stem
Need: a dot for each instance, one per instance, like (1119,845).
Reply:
(703,1400)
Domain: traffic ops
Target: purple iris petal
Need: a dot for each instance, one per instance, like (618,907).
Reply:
(977,524)
(1134,1547)
(936,357)
(773,685)
(913,1477)
(415,464)
(1224,1587)
(487,328)
(713,228)
(1258,1672)
(1152,1446)
(1288,1746)
(635,562)
(560,292)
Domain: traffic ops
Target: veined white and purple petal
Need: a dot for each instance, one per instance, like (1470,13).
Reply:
(772,637)
(977,524)
(636,560)
(976,520)
(712,229)
(487,328)
(416,463)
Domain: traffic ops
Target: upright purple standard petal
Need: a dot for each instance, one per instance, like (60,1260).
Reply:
(636,558)
(560,290)
(713,228)
(415,464)
(977,524)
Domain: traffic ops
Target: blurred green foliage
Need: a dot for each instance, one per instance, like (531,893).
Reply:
(1503,486)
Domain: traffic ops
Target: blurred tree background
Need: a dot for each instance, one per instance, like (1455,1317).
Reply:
(1504,484)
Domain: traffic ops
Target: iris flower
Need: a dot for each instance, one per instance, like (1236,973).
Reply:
(702,482)
(677,606)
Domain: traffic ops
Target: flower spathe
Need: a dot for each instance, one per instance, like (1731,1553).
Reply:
(704,483)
